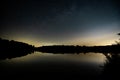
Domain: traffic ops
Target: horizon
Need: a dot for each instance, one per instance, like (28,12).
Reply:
(61,44)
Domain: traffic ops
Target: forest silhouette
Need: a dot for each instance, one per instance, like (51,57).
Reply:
(113,48)
(11,49)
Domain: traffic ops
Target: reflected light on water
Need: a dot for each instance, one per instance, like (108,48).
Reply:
(95,58)
(82,63)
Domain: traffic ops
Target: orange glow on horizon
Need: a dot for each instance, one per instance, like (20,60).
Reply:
(85,40)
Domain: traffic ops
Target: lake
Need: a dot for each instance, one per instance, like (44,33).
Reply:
(39,64)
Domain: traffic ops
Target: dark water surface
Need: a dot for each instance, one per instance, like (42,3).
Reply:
(64,66)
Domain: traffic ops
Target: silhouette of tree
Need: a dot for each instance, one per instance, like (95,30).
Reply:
(118,33)
(118,42)
(112,67)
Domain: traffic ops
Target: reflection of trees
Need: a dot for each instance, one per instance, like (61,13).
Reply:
(112,66)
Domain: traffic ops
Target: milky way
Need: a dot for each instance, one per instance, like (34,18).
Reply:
(82,22)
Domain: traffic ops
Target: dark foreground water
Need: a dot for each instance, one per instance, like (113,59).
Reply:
(39,65)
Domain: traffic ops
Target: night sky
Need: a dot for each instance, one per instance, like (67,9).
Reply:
(58,22)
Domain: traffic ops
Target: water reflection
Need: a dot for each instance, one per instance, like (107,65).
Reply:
(82,57)
(67,65)
(96,66)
